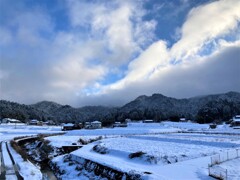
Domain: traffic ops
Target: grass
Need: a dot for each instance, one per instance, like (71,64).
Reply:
(19,150)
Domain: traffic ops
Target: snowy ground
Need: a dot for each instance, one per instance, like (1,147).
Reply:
(185,154)
(232,168)
(166,149)
(10,131)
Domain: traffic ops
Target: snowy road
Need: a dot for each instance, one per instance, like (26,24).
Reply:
(8,169)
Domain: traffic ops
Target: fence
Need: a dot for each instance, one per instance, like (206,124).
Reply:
(217,171)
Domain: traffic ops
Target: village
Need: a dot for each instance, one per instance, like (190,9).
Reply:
(234,123)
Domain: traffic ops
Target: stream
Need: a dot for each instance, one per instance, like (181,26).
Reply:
(48,174)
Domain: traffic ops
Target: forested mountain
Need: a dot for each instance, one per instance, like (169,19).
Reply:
(204,109)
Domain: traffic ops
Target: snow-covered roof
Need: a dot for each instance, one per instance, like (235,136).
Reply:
(236,118)
(14,120)
(68,125)
(96,122)
(34,120)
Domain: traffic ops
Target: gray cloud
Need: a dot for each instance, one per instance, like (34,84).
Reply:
(217,74)
(37,63)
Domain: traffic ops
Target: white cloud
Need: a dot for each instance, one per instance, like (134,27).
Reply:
(103,37)
(73,73)
(205,23)
(212,74)
(118,24)
(145,65)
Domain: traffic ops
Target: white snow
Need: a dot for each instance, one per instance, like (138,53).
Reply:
(232,167)
(133,128)
(63,141)
(159,140)
(10,131)
(26,169)
(7,161)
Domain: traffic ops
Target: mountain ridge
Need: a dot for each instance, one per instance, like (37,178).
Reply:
(157,106)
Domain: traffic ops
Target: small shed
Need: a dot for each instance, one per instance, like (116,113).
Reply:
(183,120)
(148,121)
(119,124)
(78,126)
(33,122)
(68,126)
(96,125)
(236,121)
(9,120)
(87,125)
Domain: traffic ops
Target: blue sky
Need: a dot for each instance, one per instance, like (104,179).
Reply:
(109,52)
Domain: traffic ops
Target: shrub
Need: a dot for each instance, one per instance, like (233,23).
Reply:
(84,142)
(19,150)
(100,149)
(136,154)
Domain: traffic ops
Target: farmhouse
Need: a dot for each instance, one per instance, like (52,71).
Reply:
(8,120)
(119,124)
(33,122)
(183,120)
(236,121)
(68,126)
(78,126)
(93,125)
(87,125)
(96,125)
(148,121)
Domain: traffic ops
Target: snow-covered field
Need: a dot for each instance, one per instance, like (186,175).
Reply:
(162,145)
(165,147)
(9,131)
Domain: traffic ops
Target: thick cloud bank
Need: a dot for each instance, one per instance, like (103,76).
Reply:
(109,52)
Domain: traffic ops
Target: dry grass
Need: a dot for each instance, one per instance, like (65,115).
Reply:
(19,150)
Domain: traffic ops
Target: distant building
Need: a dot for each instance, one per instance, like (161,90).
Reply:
(236,121)
(8,120)
(93,125)
(182,120)
(67,126)
(33,122)
(96,125)
(148,121)
(78,126)
(87,125)
(119,124)
(49,122)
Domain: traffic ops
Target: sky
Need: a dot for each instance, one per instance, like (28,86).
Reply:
(101,52)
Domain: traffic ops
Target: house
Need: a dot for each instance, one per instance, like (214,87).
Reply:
(148,121)
(78,126)
(119,124)
(236,121)
(8,120)
(96,125)
(67,126)
(33,122)
(50,122)
(182,120)
(87,125)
